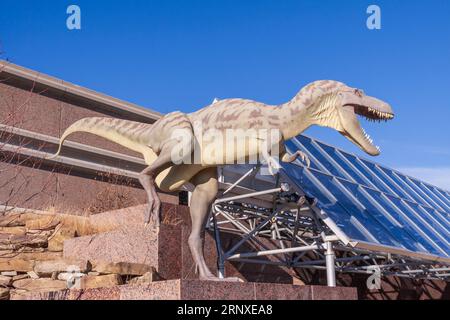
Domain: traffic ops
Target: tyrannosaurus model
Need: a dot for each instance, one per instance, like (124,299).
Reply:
(325,103)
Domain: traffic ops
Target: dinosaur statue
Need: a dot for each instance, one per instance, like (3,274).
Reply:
(325,103)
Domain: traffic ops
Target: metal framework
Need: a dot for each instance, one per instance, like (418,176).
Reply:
(285,227)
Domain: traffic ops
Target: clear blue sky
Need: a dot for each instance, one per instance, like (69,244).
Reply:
(169,55)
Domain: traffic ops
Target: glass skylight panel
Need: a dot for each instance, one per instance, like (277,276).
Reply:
(372,203)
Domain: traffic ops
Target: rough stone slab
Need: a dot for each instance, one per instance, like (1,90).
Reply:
(18,219)
(56,241)
(79,224)
(4,293)
(5,281)
(61,265)
(122,268)
(14,242)
(41,284)
(40,256)
(17,265)
(112,293)
(20,276)
(43,223)
(146,278)
(106,281)
(13,230)
(32,275)
(15,294)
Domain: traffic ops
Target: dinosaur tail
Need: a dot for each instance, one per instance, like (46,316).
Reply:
(129,134)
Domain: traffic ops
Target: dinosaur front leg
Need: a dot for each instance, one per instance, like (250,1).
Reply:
(292,157)
(205,192)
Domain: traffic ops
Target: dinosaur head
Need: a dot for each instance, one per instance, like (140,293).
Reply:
(338,106)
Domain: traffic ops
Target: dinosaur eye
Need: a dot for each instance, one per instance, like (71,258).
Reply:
(359,92)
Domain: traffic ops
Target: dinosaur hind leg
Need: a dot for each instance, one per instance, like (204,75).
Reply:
(147,180)
(205,192)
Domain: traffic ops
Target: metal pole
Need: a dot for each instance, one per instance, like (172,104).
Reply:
(329,259)
(220,260)
(271,252)
(248,195)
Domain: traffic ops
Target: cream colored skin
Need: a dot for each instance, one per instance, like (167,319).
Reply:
(325,103)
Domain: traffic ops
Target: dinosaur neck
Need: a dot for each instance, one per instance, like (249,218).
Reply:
(294,116)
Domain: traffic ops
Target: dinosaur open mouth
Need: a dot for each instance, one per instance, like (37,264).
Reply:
(372,114)
(356,132)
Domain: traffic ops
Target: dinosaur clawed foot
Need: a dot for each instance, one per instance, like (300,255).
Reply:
(304,157)
(298,154)
(152,213)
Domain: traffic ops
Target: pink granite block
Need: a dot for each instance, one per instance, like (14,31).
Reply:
(188,265)
(276,291)
(134,216)
(112,293)
(169,252)
(216,290)
(334,293)
(160,290)
(111,220)
(129,244)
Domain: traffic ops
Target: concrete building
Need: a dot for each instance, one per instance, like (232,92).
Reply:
(37,109)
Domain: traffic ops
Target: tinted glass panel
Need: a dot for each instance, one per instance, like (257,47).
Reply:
(431,194)
(372,203)
(370,176)
(393,185)
(344,164)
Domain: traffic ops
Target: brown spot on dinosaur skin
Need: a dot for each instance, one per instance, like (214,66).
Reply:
(172,121)
(229,117)
(225,126)
(274,117)
(96,121)
(205,119)
(293,111)
(255,123)
(233,102)
(274,124)
(255,113)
